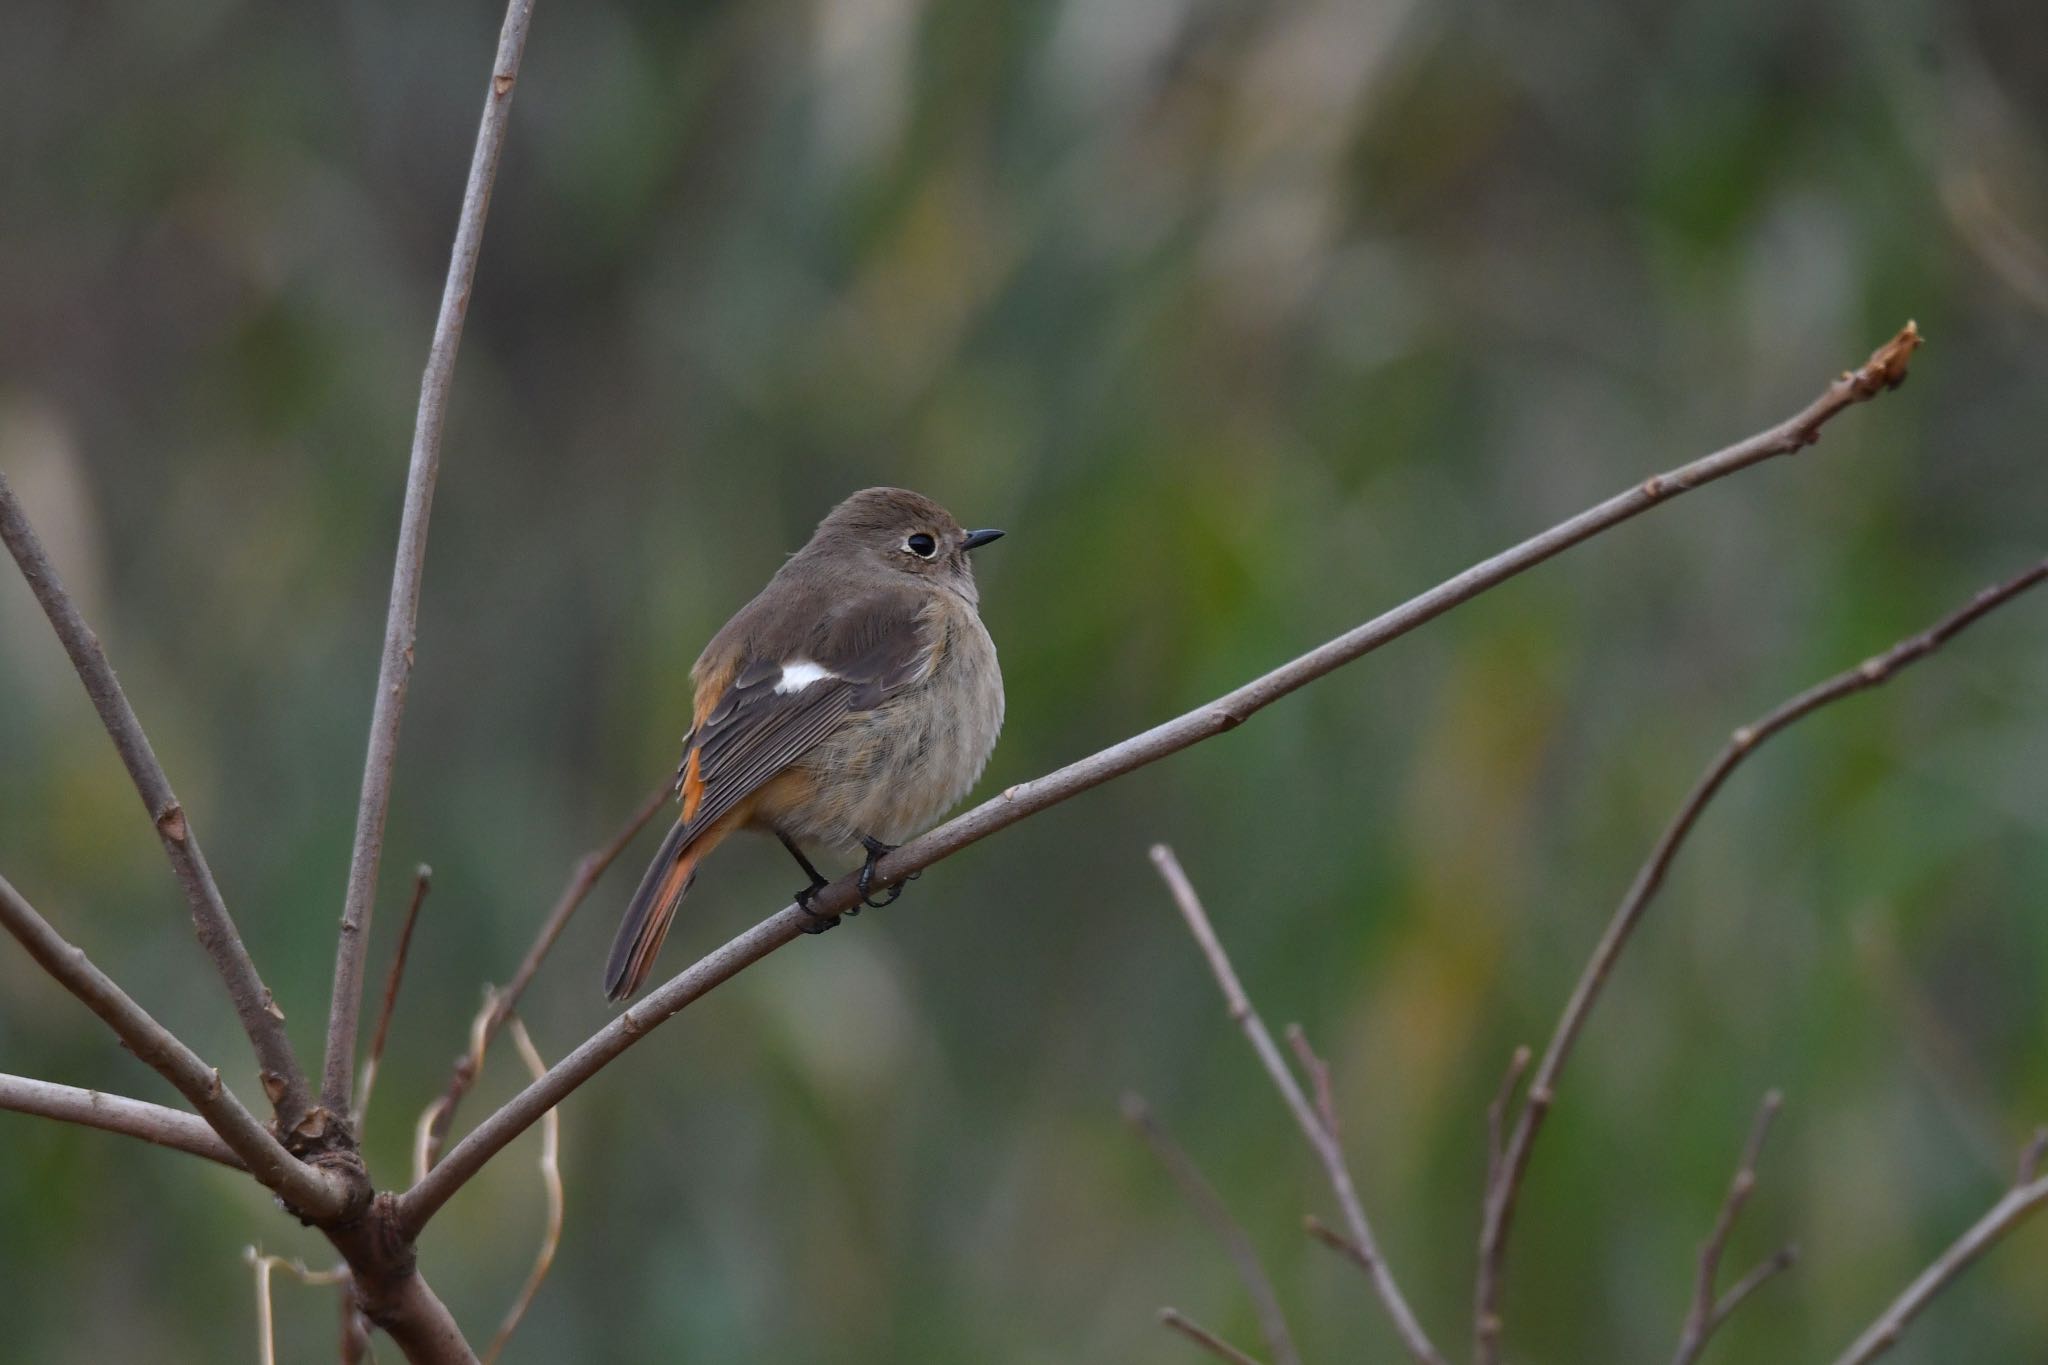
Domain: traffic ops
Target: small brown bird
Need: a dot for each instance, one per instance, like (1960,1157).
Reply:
(847,706)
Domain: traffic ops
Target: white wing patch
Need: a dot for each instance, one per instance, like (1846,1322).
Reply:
(798,674)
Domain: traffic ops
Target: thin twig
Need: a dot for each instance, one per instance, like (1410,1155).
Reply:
(1320,1139)
(266,1338)
(551,1179)
(1497,1112)
(1175,1320)
(394,672)
(1705,1316)
(1777,1263)
(433,1118)
(311,1192)
(1336,1241)
(2030,1157)
(1208,1205)
(1501,1196)
(261,1019)
(1318,1072)
(1886,369)
(582,878)
(173,1128)
(422,882)
(2007,1214)
(266,1330)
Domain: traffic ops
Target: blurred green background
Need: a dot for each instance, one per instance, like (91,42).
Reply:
(1248,320)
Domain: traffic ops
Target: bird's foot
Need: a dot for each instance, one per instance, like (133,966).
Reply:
(815,923)
(877,850)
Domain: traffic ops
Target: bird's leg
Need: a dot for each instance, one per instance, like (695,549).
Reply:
(877,850)
(818,923)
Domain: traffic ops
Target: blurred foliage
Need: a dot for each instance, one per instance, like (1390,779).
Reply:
(1247,320)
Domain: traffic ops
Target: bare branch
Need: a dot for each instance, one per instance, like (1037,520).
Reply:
(2030,1157)
(471,1064)
(1318,1072)
(1501,1196)
(2007,1214)
(1175,1320)
(1886,369)
(1320,1138)
(582,878)
(1336,1241)
(173,1128)
(1777,1263)
(354,1332)
(1497,1112)
(391,1294)
(266,1345)
(311,1192)
(551,1180)
(422,882)
(394,673)
(1705,1315)
(261,1019)
(1209,1207)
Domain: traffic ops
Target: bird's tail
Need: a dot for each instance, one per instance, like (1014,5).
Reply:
(653,906)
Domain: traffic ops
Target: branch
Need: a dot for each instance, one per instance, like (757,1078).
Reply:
(422,882)
(261,1019)
(390,1293)
(1886,369)
(1320,1138)
(173,1128)
(266,1342)
(1174,1320)
(1501,1195)
(1707,1314)
(582,878)
(1336,1241)
(310,1192)
(2007,1214)
(1497,1112)
(394,673)
(1209,1207)
(551,1181)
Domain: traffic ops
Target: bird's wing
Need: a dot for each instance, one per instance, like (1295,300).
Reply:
(766,713)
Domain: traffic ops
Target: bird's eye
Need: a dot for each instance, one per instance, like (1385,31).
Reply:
(921,545)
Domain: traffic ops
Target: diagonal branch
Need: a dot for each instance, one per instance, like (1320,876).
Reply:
(261,1019)
(1208,1205)
(173,1128)
(1707,1313)
(1176,1321)
(582,878)
(551,1182)
(1886,369)
(2008,1213)
(308,1191)
(1321,1137)
(394,673)
(1502,1194)
(422,882)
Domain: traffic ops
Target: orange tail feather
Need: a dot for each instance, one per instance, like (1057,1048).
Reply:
(653,907)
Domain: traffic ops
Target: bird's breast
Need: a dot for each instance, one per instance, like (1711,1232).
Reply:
(892,771)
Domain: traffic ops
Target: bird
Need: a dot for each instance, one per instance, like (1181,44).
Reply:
(851,703)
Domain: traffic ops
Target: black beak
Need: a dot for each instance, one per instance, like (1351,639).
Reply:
(976,539)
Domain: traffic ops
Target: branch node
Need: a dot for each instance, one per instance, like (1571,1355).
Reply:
(170,823)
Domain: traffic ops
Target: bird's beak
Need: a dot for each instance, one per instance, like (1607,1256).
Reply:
(976,539)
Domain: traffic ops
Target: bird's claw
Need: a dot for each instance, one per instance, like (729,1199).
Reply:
(877,850)
(815,923)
